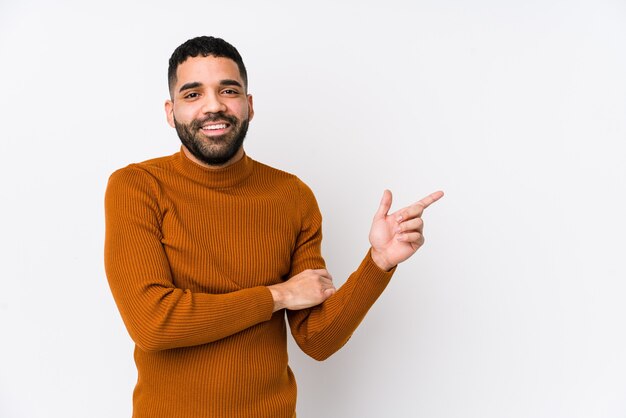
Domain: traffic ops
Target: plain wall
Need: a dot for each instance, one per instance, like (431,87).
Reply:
(517,110)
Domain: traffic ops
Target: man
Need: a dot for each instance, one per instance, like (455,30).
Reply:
(207,249)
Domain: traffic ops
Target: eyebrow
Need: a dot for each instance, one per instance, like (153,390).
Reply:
(188,86)
(196,84)
(228,82)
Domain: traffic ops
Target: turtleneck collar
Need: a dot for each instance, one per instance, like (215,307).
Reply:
(217,178)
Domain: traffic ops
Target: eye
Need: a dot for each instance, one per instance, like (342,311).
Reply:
(230,92)
(191,95)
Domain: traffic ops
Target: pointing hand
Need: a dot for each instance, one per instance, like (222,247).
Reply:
(397,236)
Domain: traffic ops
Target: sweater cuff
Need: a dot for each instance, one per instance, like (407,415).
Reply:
(369,260)
(376,276)
(265,306)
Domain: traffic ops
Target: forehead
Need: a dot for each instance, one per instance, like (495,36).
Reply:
(207,70)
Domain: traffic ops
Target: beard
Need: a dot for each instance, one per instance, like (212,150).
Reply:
(214,150)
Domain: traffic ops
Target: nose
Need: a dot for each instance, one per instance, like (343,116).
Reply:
(212,104)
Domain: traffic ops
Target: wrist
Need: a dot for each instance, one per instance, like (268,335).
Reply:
(279,297)
(379,259)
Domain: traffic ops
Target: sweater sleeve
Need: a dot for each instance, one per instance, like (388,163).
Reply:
(157,314)
(322,330)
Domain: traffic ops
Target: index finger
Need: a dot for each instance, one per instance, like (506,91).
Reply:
(430,199)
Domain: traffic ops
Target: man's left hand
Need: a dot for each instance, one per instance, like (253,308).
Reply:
(397,236)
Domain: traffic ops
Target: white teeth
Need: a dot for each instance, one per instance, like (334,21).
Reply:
(214,127)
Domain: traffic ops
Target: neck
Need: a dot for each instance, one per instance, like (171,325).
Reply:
(232,161)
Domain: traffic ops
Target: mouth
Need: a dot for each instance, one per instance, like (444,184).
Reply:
(215,128)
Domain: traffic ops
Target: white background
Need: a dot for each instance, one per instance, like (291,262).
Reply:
(516,109)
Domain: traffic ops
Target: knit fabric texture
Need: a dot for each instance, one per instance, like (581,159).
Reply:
(189,253)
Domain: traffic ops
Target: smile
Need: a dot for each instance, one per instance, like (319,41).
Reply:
(215,127)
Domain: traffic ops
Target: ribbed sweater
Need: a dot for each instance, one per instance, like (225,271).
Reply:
(189,253)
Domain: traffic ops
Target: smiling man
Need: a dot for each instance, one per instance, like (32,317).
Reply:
(210,115)
(207,251)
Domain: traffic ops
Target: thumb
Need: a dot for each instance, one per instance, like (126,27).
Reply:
(385,205)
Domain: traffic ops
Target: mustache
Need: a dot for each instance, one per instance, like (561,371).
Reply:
(214,117)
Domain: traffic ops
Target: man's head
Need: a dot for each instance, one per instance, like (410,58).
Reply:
(209,105)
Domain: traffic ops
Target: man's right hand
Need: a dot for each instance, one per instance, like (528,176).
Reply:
(304,290)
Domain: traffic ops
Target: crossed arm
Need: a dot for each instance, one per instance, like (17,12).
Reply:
(393,237)
(161,316)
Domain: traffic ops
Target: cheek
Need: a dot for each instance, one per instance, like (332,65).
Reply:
(184,114)
(241,110)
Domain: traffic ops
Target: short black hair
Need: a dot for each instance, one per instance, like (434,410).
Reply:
(204,46)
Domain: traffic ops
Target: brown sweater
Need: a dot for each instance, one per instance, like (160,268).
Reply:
(189,252)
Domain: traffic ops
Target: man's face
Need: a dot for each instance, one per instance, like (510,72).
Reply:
(210,109)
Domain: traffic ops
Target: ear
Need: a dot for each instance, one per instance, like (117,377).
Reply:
(250,107)
(169,112)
